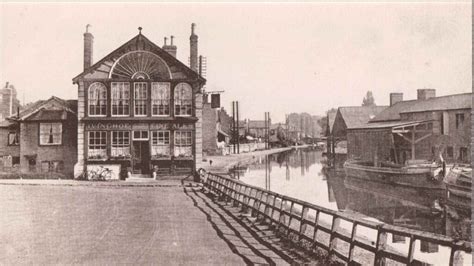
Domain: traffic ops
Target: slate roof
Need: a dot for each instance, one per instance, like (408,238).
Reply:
(36,110)
(388,124)
(356,116)
(449,102)
(134,43)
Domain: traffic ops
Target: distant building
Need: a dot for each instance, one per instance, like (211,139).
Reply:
(352,117)
(9,103)
(420,129)
(216,127)
(42,138)
(140,109)
(257,128)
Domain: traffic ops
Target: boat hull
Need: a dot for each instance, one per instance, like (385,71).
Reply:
(411,177)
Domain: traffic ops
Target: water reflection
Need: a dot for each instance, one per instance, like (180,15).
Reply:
(300,174)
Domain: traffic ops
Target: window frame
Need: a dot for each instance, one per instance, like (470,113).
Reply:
(158,144)
(178,144)
(168,100)
(8,139)
(460,124)
(60,134)
(118,145)
(175,100)
(135,98)
(89,100)
(123,99)
(101,132)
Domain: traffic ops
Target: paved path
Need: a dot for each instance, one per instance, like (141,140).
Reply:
(64,223)
(222,163)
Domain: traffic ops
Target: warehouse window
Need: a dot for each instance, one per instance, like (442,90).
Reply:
(51,133)
(97,99)
(120,98)
(459,121)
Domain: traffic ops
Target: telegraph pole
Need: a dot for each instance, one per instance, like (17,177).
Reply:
(233,125)
(238,126)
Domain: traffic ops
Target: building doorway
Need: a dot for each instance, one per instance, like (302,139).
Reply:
(141,157)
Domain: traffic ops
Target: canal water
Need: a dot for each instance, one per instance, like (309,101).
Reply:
(301,173)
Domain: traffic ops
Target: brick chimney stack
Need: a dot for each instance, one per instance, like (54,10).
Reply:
(88,47)
(395,97)
(170,49)
(425,94)
(193,56)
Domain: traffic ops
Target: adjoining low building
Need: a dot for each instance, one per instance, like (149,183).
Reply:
(42,138)
(350,117)
(421,129)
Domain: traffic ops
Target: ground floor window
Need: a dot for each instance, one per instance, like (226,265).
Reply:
(97,148)
(183,143)
(120,144)
(160,143)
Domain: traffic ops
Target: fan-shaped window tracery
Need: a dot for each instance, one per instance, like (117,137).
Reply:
(140,65)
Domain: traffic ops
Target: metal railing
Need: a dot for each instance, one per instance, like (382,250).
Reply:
(301,222)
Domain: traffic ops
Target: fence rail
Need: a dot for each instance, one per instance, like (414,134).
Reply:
(301,222)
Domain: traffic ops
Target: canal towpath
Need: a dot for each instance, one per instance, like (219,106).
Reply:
(223,163)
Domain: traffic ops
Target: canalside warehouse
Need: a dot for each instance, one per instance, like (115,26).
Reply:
(140,109)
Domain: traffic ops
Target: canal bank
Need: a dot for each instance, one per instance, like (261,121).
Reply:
(223,163)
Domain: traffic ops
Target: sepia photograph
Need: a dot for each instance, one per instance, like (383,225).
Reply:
(227,133)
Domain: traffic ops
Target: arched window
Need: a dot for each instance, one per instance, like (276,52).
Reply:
(183,99)
(97,99)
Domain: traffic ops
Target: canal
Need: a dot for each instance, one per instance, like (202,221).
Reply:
(301,173)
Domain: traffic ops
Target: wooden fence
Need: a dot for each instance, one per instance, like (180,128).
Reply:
(301,222)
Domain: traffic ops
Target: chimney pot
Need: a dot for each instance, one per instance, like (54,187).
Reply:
(395,97)
(425,94)
(172,37)
(166,41)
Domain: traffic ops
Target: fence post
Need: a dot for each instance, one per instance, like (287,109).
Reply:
(315,229)
(455,259)
(380,246)
(350,258)
(411,250)
(333,239)
(304,214)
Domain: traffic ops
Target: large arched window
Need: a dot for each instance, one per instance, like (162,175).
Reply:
(97,99)
(183,99)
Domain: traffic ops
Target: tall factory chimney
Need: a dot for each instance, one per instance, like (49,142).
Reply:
(193,56)
(88,47)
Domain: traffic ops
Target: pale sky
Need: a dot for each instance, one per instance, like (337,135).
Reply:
(279,58)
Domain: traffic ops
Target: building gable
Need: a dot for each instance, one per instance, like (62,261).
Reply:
(139,56)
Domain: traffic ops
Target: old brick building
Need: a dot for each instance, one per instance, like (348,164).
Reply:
(42,138)
(140,109)
(420,129)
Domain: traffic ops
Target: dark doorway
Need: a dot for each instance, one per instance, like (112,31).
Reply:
(141,157)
